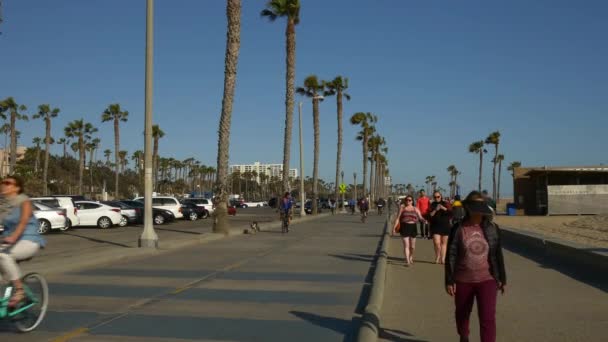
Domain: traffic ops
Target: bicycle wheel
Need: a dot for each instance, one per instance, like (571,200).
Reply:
(37,295)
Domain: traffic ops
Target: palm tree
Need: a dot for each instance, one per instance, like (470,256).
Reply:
(81,131)
(63,141)
(498,160)
(122,156)
(231,57)
(312,87)
(365,121)
(37,141)
(494,139)
(157,133)
(451,169)
(290,9)
(477,148)
(337,87)
(46,113)
(428,181)
(107,153)
(16,113)
(513,166)
(91,147)
(114,114)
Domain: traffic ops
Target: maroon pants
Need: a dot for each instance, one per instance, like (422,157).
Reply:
(485,293)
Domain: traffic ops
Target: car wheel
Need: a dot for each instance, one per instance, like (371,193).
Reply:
(193,216)
(68,225)
(205,214)
(245,206)
(159,219)
(123,221)
(104,222)
(44,226)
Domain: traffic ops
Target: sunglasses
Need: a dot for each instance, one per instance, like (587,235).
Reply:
(408,200)
(437,196)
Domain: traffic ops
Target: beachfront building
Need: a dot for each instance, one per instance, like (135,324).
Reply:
(5,155)
(270,170)
(574,190)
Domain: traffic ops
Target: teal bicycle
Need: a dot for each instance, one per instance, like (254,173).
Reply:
(28,314)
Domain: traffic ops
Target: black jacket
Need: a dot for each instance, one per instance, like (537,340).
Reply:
(495,258)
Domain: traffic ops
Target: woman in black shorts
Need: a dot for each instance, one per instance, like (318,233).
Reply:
(440,212)
(405,224)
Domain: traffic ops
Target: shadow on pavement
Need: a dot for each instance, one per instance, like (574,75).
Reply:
(393,335)
(98,240)
(178,231)
(361,257)
(342,326)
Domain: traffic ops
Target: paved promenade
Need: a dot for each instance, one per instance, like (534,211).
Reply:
(308,285)
(541,303)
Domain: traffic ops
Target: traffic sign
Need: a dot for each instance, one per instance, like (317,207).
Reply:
(342,188)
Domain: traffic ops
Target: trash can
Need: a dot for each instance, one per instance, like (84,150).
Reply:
(511,209)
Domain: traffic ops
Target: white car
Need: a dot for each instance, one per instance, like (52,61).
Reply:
(254,204)
(97,214)
(167,203)
(50,218)
(61,202)
(202,202)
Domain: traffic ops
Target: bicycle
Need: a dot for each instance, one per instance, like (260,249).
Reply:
(363,215)
(285,223)
(28,314)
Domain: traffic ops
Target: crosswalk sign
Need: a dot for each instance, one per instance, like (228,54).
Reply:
(342,188)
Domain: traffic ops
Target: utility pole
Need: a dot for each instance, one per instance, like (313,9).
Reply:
(148,238)
(342,204)
(302,211)
(355,176)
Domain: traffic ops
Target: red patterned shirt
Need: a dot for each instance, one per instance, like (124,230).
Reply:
(472,265)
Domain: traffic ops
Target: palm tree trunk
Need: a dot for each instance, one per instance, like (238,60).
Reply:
(37,162)
(116,149)
(494,189)
(498,182)
(81,163)
(455,184)
(315,169)
(155,164)
(45,171)
(91,173)
(339,152)
(480,168)
(13,158)
(290,59)
(65,150)
(371,175)
(364,187)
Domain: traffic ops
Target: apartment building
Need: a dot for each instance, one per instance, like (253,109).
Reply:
(271,170)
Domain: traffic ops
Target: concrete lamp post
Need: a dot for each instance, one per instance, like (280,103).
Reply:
(302,198)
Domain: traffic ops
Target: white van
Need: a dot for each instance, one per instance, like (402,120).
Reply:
(61,202)
(167,203)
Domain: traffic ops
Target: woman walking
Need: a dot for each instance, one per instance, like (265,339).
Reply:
(20,239)
(440,213)
(405,224)
(475,268)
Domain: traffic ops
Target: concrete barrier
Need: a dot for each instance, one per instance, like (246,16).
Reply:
(370,321)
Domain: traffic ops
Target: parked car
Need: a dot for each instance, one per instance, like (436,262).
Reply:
(202,202)
(75,198)
(130,214)
(231,210)
(193,212)
(97,214)
(308,207)
(66,203)
(50,218)
(159,216)
(257,204)
(167,203)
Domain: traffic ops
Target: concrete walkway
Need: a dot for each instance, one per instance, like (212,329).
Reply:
(308,285)
(541,303)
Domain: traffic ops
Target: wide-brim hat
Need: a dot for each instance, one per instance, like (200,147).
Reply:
(480,207)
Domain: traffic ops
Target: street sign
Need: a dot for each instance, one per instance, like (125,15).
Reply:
(342,188)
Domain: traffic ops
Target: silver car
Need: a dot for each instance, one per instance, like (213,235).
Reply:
(50,218)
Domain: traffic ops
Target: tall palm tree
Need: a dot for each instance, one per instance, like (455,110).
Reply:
(289,9)
(91,147)
(477,148)
(366,122)
(107,153)
(312,87)
(498,160)
(427,181)
(15,113)
(63,141)
(513,166)
(231,57)
(37,141)
(337,87)
(157,133)
(122,156)
(451,170)
(82,132)
(115,114)
(494,139)
(46,113)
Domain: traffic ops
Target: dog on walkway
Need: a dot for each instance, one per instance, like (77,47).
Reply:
(253,228)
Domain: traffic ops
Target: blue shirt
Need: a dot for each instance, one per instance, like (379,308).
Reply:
(285,204)
(31,228)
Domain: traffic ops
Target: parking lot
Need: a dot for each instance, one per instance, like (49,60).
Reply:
(79,239)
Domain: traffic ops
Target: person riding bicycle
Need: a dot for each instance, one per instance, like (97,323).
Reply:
(20,238)
(380,205)
(285,207)
(364,206)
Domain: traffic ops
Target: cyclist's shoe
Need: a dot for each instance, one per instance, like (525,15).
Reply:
(17,298)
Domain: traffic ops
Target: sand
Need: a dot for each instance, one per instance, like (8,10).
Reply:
(589,230)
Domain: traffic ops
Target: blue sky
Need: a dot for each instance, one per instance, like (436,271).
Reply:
(439,74)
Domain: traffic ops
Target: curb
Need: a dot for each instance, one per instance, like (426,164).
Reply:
(62,265)
(370,321)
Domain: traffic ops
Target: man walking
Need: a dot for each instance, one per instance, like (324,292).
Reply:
(423,204)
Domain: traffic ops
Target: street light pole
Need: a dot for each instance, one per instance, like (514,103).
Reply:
(342,204)
(302,212)
(355,176)
(148,238)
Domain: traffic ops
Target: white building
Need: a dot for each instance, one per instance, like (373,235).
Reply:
(271,170)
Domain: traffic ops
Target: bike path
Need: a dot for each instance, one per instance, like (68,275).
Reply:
(308,285)
(541,302)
